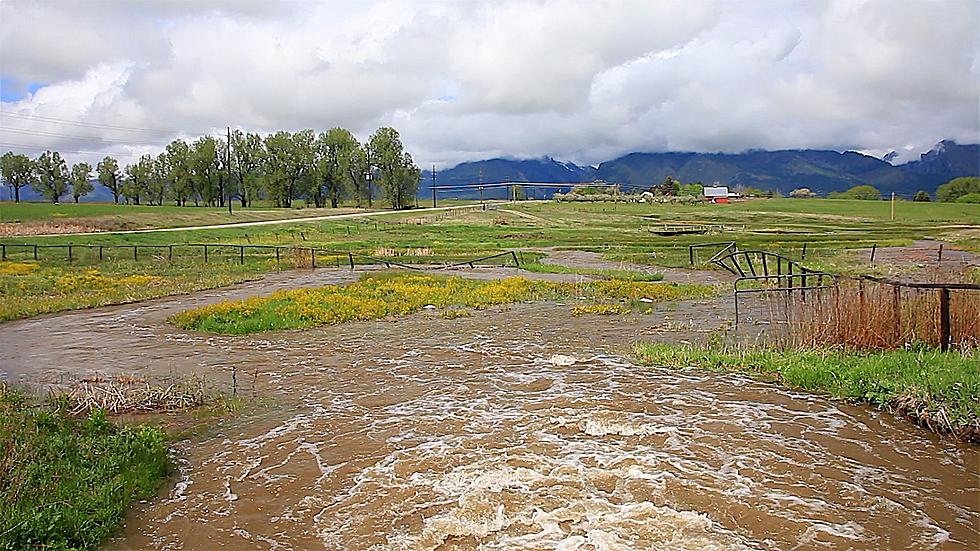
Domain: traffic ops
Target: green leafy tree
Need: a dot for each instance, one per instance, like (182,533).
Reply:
(176,169)
(247,158)
(204,171)
(338,165)
(288,163)
(958,187)
(866,193)
(969,198)
(138,177)
(80,184)
(156,183)
(921,197)
(396,170)
(108,169)
(52,176)
(17,171)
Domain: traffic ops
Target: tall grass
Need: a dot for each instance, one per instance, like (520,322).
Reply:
(875,316)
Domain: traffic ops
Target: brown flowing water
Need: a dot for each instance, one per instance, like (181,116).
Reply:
(517,428)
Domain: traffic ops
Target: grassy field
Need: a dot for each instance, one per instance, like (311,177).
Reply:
(393,294)
(940,390)
(65,482)
(620,232)
(110,217)
(29,288)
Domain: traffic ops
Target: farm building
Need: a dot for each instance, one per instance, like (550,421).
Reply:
(717,194)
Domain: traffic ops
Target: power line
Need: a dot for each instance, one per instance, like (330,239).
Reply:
(24,147)
(43,133)
(88,124)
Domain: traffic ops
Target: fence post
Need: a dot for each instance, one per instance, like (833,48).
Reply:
(940,253)
(944,329)
(5,251)
(135,254)
(170,254)
(897,309)
(277,259)
(205,254)
(350,258)
(241,255)
(690,254)
(803,256)
(100,253)
(874,248)
(312,258)
(69,253)
(35,252)
(516,263)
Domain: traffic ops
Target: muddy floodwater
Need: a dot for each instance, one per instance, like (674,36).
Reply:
(519,427)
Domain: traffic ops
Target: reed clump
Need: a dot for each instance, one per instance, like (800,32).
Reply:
(874,316)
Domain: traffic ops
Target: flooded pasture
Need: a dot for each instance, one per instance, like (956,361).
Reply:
(519,427)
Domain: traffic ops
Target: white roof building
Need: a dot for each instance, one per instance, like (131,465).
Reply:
(713,192)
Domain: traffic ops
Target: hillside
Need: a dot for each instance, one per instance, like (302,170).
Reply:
(820,170)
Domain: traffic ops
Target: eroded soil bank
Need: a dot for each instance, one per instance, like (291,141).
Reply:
(517,427)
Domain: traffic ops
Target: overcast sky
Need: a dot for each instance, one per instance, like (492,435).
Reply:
(580,81)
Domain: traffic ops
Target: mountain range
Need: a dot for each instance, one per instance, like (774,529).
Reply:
(822,171)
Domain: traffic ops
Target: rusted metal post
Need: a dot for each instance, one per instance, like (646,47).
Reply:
(944,326)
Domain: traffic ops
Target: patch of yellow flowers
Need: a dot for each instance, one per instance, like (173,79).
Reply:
(17,268)
(385,295)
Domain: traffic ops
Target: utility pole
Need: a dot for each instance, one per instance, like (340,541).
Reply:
(228,163)
(370,189)
(433,186)
(481,187)
(893,205)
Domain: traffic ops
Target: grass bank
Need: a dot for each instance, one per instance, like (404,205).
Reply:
(391,294)
(937,390)
(29,288)
(65,482)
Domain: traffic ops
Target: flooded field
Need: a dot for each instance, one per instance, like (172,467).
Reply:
(517,428)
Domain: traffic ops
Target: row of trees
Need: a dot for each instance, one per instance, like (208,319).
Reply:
(329,167)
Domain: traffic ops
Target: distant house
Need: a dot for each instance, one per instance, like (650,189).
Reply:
(717,194)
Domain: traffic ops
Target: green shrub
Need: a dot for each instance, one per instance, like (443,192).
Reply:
(958,187)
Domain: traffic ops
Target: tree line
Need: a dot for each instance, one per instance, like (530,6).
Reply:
(329,167)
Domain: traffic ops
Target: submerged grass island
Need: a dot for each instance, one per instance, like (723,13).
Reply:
(387,294)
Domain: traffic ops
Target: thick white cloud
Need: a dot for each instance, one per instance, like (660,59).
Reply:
(583,81)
